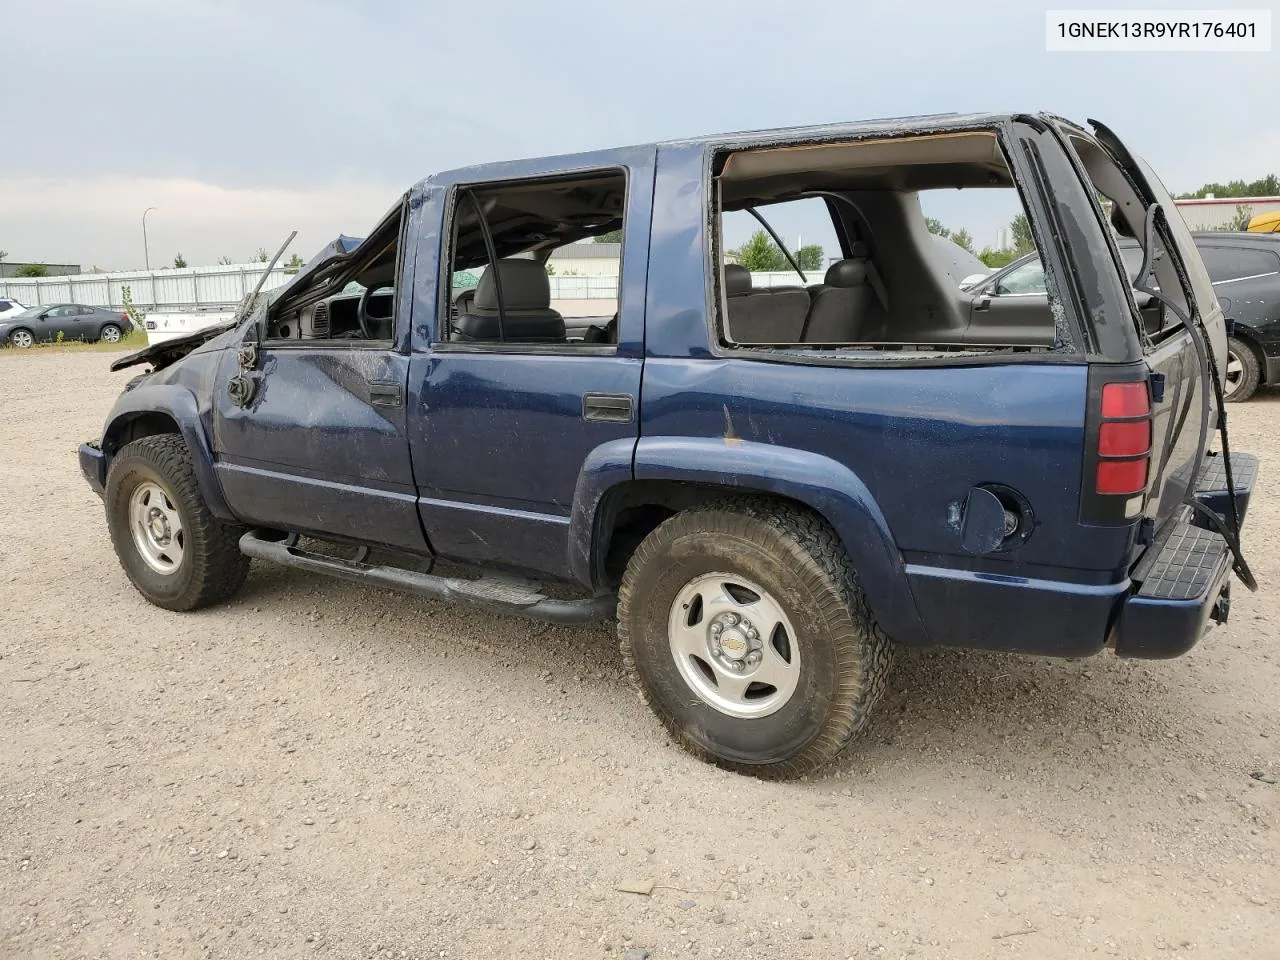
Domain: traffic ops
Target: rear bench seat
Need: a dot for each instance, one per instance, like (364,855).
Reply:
(835,311)
(774,315)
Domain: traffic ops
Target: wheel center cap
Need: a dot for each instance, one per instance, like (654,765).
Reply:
(733,644)
(159,527)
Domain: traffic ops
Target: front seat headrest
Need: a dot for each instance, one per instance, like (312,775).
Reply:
(737,280)
(847,273)
(524,286)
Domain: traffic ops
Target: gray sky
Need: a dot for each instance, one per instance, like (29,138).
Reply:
(240,121)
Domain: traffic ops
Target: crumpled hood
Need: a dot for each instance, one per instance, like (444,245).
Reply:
(251,307)
(333,252)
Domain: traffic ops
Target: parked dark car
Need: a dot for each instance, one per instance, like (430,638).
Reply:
(1245,271)
(63,321)
(769,488)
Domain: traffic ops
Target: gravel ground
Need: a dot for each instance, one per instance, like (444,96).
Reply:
(322,770)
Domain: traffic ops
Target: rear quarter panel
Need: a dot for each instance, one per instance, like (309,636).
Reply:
(918,438)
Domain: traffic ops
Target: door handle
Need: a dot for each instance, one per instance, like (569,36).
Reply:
(386,393)
(607,407)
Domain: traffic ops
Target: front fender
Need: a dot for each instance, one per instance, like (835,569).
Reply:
(827,487)
(178,404)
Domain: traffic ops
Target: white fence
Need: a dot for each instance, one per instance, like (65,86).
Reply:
(189,289)
(221,288)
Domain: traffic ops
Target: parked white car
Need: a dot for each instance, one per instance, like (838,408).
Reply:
(9,308)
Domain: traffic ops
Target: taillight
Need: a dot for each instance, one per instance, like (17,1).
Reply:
(1125,400)
(1124,442)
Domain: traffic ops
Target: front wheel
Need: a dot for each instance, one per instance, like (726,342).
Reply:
(177,554)
(22,339)
(1243,372)
(744,629)
(110,333)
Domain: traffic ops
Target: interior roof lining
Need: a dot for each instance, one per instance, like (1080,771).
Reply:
(968,159)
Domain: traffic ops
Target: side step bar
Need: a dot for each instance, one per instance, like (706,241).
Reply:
(497,595)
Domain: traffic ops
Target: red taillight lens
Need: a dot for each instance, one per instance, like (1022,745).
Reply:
(1122,476)
(1125,439)
(1125,400)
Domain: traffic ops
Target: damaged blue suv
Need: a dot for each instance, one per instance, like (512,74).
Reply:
(768,486)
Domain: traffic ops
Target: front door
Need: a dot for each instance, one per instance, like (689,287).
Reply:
(321,448)
(59,320)
(320,445)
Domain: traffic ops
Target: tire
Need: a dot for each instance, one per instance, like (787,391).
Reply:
(110,333)
(785,556)
(1243,372)
(199,561)
(21,338)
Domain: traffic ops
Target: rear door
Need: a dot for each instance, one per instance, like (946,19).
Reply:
(1171,351)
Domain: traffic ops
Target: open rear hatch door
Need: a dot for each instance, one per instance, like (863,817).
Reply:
(1183,577)
(1179,426)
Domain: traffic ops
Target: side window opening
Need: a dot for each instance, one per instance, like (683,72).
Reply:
(536,262)
(351,301)
(899,223)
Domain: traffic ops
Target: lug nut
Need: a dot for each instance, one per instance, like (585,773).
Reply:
(753,657)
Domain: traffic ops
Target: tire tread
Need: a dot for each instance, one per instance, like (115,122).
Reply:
(219,566)
(864,651)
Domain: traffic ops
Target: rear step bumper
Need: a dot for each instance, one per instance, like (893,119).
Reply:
(1211,490)
(1184,579)
(497,595)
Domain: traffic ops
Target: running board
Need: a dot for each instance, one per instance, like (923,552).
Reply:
(512,597)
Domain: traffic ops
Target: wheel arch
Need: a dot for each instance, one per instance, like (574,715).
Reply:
(613,514)
(164,408)
(10,334)
(1249,337)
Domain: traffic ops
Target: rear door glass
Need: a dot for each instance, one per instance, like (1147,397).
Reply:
(1226,264)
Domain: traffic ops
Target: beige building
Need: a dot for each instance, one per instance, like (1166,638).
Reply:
(587,260)
(1214,213)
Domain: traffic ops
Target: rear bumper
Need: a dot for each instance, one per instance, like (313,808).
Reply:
(1171,608)
(93,464)
(1161,610)
(1184,579)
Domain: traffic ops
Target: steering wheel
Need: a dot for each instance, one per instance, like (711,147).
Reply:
(362,313)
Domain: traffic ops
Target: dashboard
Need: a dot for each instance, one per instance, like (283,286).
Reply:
(337,318)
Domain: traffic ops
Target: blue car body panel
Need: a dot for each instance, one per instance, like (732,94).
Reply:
(490,459)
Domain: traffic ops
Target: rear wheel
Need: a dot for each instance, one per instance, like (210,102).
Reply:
(744,629)
(1243,372)
(110,333)
(177,554)
(22,339)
